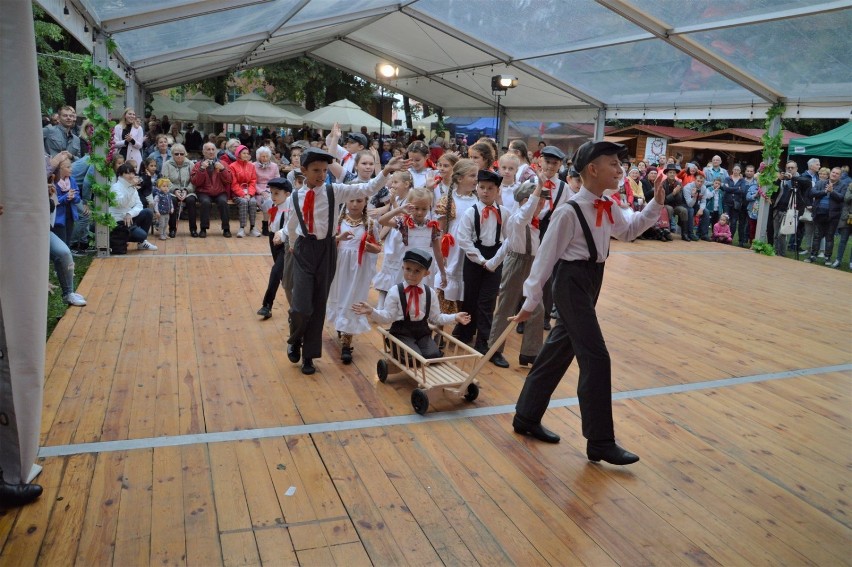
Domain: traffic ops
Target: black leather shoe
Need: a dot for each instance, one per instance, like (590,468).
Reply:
(172,233)
(203,233)
(536,431)
(498,360)
(546,326)
(226,233)
(346,355)
(308,366)
(194,233)
(524,359)
(294,352)
(14,495)
(612,454)
(520,328)
(265,311)
(480,348)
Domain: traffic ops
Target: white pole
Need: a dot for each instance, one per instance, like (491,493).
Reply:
(764,210)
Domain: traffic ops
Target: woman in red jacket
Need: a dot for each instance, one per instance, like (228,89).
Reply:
(243,189)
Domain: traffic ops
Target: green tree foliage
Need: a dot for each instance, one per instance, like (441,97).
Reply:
(60,63)
(317,84)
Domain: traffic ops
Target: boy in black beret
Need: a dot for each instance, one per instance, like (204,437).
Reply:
(480,237)
(409,316)
(574,251)
(279,191)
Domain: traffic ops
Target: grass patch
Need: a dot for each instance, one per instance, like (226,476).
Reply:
(56,307)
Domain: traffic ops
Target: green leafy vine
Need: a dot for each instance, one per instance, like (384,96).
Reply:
(772,150)
(762,247)
(100,136)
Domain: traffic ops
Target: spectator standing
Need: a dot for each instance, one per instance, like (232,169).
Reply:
(128,137)
(734,188)
(828,196)
(61,137)
(845,225)
(161,153)
(193,141)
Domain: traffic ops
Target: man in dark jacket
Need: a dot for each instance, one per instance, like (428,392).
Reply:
(827,197)
(790,181)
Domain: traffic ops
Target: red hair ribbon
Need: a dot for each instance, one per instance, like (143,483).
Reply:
(365,238)
(447,242)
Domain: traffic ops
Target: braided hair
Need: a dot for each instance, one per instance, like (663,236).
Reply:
(365,218)
(462,167)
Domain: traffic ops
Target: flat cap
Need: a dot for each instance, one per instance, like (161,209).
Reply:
(488,175)
(589,151)
(418,256)
(315,154)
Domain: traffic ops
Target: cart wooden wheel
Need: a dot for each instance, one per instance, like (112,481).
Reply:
(420,401)
(382,369)
(472,392)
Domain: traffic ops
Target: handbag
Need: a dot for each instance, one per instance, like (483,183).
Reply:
(807,216)
(788,225)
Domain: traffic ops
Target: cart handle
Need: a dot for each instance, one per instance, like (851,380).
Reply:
(487,356)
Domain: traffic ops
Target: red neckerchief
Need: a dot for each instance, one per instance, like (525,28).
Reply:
(602,205)
(534,223)
(346,157)
(408,221)
(487,210)
(273,211)
(551,186)
(308,210)
(413,293)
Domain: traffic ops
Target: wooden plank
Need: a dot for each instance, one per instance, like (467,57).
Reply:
(167,407)
(235,528)
(349,554)
(200,514)
(168,536)
(97,538)
(133,530)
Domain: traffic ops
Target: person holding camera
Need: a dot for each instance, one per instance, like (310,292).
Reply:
(212,180)
(791,184)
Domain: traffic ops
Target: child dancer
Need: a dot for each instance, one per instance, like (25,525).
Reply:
(409,316)
(508,167)
(574,251)
(279,193)
(520,245)
(418,153)
(480,236)
(163,206)
(357,248)
(482,155)
(722,231)
(452,207)
(416,230)
(400,185)
(439,179)
(311,230)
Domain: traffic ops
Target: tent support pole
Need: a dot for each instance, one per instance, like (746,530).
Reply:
(600,121)
(100,57)
(763,210)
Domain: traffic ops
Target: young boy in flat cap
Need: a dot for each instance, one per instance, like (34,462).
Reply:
(279,192)
(311,226)
(480,237)
(574,250)
(352,144)
(551,161)
(516,254)
(408,314)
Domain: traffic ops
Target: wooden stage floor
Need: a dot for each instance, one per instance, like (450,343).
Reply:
(175,431)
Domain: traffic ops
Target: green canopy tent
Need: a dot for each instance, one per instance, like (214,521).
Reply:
(834,143)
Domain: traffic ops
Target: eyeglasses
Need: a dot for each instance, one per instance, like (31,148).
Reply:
(178,153)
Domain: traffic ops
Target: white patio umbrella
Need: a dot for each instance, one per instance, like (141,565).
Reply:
(202,103)
(174,110)
(346,113)
(292,107)
(252,108)
(426,122)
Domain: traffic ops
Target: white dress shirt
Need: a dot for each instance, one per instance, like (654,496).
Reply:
(567,193)
(395,311)
(507,197)
(515,234)
(342,193)
(487,230)
(565,239)
(341,153)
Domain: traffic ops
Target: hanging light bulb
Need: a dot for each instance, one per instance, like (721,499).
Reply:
(65,10)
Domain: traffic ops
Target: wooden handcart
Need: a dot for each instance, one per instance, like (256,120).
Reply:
(453,375)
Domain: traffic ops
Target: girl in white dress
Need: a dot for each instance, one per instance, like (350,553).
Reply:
(417,230)
(439,181)
(450,210)
(400,185)
(357,252)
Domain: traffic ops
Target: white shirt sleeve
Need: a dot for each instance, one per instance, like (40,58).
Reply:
(465,237)
(393,310)
(556,240)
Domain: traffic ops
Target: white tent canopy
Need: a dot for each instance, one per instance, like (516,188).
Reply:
(252,108)
(202,103)
(347,114)
(636,59)
(291,107)
(162,105)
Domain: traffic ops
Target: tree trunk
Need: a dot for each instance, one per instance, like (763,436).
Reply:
(406,105)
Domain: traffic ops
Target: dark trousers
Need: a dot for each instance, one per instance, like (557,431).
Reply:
(576,286)
(141,225)
(547,299)
(739,222)
(480,298)
(703,224)
(416,336)
(824,227)
(314,264)
(221,203)
(275,275)
(189,204)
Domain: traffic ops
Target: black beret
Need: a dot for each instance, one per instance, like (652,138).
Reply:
(589,151)
(488,175)
(315,154)
(418,256)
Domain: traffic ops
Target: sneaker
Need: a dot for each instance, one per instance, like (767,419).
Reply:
(828,262)
(145,246)
(77,252)
(74,299)
(164,236)
(835,264)
(809,260)
(265,311)
(254,232)
(172,233)
(821,255)
(241,233)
